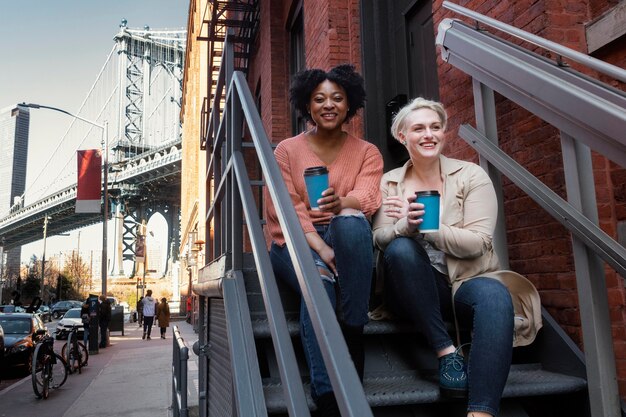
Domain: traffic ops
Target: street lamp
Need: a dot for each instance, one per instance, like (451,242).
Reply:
(43,256)
(105,186)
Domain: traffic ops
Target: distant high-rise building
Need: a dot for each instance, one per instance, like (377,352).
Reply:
(14,126)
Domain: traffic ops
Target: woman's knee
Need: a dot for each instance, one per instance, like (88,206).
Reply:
(350,212)
(404,249)
(350,221)
(492,296)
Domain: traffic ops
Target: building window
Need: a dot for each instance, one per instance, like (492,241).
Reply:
(297,62)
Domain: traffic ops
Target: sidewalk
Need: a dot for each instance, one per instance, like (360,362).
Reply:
(132,377)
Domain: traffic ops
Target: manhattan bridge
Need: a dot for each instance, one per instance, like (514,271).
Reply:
(137,96)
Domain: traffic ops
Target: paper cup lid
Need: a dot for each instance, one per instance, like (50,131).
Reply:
(316,170)
(427,193)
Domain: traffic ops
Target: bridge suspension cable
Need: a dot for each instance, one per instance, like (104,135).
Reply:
(69,143)
(138,94)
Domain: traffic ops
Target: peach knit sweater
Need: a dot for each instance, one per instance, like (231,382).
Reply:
(355,172)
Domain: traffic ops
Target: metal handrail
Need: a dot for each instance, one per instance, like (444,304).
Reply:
(233,194)
(591,62)
(595,238)
(180,353)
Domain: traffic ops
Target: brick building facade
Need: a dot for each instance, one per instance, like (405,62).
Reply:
(338,31)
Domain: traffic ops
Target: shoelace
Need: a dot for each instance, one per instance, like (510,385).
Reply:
(456,361)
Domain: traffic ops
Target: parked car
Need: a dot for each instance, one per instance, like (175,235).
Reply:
(10,308)
(45,313)
(61,307)
(70,319)
(1,347)
(20,338)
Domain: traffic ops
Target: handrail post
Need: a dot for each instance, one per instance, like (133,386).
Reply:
(227,202)
(203,359)
(591,284)
(180,356)
(236,125)
(486,123)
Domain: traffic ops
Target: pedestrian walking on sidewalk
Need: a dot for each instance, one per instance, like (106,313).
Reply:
(140,311)
(104,319)
(149,310)
(163,316)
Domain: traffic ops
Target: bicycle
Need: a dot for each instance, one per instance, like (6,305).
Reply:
(74,352)
(49,369)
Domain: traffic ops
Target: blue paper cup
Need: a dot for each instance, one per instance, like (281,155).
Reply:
(430,200)
(316,180)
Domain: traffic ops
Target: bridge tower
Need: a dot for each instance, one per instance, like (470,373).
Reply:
(150,88)
(150,92)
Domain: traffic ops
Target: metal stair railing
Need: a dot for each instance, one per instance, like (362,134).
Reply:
(180,357)
(590,116)
(233,200)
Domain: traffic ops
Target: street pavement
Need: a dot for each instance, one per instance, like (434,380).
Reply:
(131,377)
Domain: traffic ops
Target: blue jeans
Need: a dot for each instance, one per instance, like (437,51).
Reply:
(350,237)
(416,290)
(147,324)
(104,326)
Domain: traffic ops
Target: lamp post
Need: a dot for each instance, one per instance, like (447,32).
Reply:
(105,186)
(43,255)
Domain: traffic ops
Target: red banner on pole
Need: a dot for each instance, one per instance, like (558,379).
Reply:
(88,193)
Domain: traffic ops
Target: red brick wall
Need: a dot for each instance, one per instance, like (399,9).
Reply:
(269,67)
(536,146)
(332,37)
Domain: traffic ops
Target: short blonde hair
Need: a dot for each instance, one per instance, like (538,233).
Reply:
(418,103)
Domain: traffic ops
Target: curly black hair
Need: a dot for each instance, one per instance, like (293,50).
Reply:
(306,81)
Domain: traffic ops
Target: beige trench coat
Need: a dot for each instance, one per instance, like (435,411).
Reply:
(468,216)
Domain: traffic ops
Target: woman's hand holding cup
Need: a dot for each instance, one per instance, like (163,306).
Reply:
(398,208)
(414,215)
(395,207)
(330,201)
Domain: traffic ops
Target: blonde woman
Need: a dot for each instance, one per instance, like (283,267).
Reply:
(452,273)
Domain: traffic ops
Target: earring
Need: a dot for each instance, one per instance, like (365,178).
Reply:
(403,142)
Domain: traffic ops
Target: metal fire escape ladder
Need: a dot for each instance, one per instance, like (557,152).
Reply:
(241,16)
(590,116)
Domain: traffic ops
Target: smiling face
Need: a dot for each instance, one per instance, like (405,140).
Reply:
(328,106)
(423,133)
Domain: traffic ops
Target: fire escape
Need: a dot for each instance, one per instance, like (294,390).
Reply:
(219,16)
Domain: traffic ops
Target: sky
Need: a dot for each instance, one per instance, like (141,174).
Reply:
(52,51)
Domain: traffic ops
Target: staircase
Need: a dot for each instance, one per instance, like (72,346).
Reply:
(547,378)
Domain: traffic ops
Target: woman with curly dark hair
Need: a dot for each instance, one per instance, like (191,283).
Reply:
(338,231)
